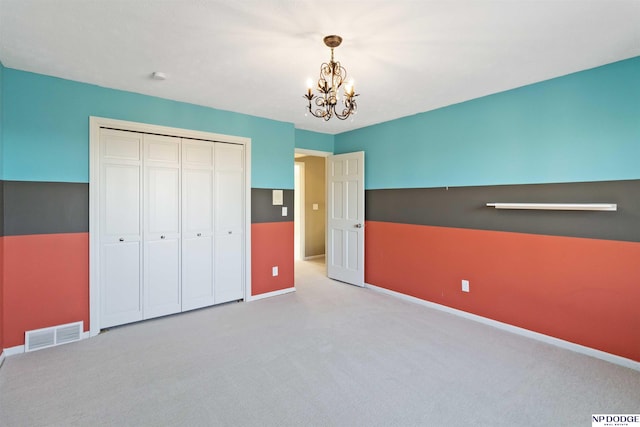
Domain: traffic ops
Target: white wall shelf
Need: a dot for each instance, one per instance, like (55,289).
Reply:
(557,206)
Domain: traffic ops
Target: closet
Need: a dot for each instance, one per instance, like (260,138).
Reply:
(171,224)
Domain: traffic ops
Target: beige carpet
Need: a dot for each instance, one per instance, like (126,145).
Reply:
(328,355)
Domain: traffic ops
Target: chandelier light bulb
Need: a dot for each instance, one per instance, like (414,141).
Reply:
(349,88)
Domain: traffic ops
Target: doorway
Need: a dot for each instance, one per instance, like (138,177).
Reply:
(339,188)
(309,206)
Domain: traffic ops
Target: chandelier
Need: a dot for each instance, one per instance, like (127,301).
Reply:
(332,75)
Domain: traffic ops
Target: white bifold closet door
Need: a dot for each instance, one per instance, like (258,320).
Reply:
(120,227)
(161,286)
(229,222)
(197,224)
(172,218)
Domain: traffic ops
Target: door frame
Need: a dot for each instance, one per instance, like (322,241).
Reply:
(95,123)
(301,212)
(325,154)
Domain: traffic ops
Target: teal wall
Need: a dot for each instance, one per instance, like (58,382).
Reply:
(46,128)
(580,127)
(314,140)
(1,118)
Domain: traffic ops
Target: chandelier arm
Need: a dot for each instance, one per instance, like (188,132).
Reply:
(318,113)
(350,107)
(315,114)
(345,114)
(323,112)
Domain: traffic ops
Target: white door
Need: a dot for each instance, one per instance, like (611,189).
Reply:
(197,224)
(229,222)
(161,285)
(120,230)
(345,224)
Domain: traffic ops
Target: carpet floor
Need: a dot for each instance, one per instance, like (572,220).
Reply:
(329,354)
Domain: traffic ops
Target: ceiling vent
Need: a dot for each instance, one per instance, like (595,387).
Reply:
(55,335)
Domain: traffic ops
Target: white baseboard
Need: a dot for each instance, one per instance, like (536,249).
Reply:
(12,351)
(307,258)
(598,354)
(272,294)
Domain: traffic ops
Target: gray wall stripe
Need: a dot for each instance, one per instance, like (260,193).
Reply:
(263,210)
(464,207)
(45,207)
(30,207)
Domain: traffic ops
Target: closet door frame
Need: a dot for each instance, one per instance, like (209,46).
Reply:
(95,124)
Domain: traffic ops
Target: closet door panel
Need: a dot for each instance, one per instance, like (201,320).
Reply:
(230,200)
(198,201)
(162,149)
(197,153)
(121,296)
(162,296)
(163,202)
(197,273)
(120,146)
(162,261)
(229,222)
(197,224)
(121,197)
(229,271)
(120,230)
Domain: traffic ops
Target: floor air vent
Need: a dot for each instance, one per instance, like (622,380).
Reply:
(55,335)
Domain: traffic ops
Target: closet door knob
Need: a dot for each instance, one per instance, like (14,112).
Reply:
(162,237)
(121,239)
(199,234)
(230,232)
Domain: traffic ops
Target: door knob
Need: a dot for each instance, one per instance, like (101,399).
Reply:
(199,234)
(121,239)
(358,226)
(162,237)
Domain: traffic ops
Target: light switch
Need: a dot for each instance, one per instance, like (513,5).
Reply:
(284,211)
(274,271)
(315,206)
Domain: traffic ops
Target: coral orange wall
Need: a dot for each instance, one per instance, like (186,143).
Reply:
(46,282)
(47,276)
(271,245)
(580,290)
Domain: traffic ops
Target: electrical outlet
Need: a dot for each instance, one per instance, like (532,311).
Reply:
(274,271)
(465,286)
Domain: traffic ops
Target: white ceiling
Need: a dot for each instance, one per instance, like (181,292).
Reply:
(254,56)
